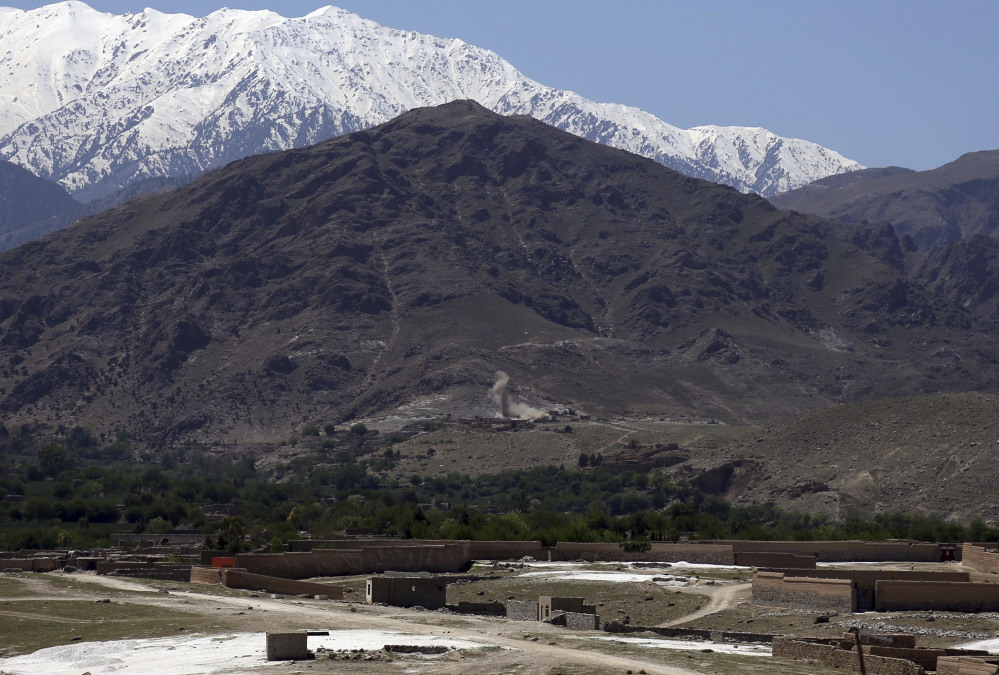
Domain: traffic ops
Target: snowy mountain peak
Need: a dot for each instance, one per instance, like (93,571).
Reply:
(98,101)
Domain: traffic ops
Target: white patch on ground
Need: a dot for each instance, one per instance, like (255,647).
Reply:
(859,563)
(693,645)
(563,571)
(991,645)
(197,655)
(614,577)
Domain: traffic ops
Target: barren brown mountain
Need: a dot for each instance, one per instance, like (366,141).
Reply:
(397,269)
(934,208)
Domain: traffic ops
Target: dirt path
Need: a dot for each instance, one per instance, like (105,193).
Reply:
(721,597)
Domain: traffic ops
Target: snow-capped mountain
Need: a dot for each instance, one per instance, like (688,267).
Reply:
(99,101)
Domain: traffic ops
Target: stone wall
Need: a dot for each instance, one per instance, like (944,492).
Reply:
(799,650)
(967,665)
(287,646)
(900,596)
(548,606)
(29,564)
(521,610)
(576,620)
(981,558)
(806,593)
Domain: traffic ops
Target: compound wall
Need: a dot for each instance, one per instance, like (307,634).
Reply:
(807,593)
(982,558)
(900,596)
(866,579)
(232,578)
(236,578)
(845,551)
(365,560)
(775,559)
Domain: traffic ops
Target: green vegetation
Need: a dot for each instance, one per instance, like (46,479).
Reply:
(66,489)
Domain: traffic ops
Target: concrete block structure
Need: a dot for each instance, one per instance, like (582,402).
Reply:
(424,592)
(288,646)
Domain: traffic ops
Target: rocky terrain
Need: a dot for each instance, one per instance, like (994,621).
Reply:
(934,208)
(929,454)
(396,270)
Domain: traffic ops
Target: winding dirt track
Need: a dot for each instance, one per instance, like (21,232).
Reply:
(722,597)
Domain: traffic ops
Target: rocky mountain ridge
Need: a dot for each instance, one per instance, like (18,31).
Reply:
(933,208)
(97,101)
(394,271)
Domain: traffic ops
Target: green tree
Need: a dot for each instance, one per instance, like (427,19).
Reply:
(231,533)
(53,458)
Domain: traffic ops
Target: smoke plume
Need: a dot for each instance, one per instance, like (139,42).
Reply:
(508,408)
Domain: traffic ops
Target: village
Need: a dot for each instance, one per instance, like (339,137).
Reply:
(884,607)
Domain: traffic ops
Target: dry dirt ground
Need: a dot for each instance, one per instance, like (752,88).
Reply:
(41,610)
(38,610)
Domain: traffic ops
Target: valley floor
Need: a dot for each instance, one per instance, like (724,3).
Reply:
(61,623)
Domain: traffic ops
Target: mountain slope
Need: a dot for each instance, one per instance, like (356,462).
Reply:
(98,101)
(31,207)
(934,208)
(929,454)
(396,269)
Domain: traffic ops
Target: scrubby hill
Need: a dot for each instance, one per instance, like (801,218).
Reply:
(394,270)
(929,454)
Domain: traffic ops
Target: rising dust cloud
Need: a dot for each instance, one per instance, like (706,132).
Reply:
(508,408)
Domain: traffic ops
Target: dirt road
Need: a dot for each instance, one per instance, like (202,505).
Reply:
(721,597)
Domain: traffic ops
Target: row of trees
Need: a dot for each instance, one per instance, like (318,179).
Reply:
(70,492)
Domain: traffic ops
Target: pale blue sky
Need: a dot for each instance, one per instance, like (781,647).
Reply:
(912,83)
